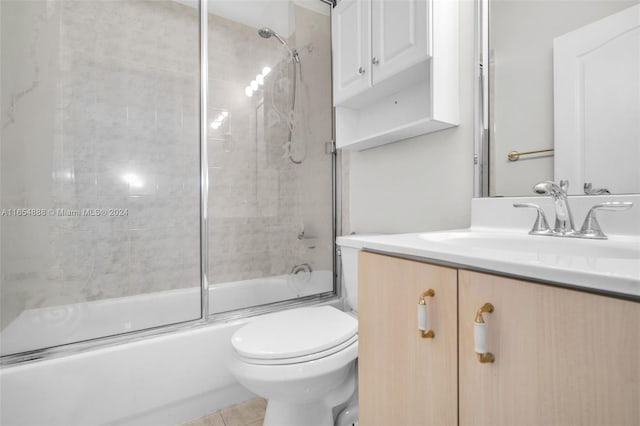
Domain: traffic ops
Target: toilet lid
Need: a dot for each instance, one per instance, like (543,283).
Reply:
(294,333)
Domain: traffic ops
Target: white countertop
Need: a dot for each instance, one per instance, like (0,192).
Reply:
(605,266)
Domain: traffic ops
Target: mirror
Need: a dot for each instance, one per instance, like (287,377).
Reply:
(558,95)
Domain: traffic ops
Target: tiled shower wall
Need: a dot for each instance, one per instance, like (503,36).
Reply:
(260,201)
(100,110)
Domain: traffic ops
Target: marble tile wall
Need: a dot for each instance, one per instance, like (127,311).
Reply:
(106,117)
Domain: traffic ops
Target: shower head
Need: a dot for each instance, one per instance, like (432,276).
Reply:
(547,188)
(266,32)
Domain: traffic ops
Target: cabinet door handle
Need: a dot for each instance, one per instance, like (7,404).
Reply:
(375,61)
(423,330)
(480,335)
(361,71)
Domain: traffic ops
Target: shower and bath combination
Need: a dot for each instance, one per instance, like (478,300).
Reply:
(267,32)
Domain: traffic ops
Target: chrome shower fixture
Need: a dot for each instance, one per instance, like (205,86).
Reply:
(267,32)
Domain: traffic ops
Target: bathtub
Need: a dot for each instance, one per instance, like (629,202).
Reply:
(161,380)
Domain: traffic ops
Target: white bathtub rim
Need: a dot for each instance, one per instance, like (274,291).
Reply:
(139,337)
(23,353)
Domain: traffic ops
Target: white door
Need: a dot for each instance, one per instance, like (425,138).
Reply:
(597,104)
(351,38)
(400,31)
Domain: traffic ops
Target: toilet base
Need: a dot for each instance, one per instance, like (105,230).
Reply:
(319,412)
(287,414)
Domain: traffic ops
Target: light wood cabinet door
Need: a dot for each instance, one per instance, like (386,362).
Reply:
(351,40)
(562,357)
(404,379)
(400,36)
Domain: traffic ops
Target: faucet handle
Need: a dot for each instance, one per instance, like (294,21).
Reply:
(564,186)
(590,190)
(591,227)
(540,226)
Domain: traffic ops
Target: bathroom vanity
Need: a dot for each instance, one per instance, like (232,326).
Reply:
(517,329)
(561,356)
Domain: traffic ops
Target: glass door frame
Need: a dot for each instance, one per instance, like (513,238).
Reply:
(205,319)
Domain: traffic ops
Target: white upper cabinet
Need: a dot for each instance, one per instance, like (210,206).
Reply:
(399,36)
(351,23)
(395,69)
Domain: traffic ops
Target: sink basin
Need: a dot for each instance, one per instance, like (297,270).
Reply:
(511,243)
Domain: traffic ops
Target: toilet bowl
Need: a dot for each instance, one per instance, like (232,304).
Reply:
(303,360)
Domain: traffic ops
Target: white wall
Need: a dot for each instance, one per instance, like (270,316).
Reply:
(424,183)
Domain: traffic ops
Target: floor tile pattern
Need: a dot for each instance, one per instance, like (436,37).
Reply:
(247,413)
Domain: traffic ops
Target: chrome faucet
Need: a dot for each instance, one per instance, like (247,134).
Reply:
(564,218)
(591,227)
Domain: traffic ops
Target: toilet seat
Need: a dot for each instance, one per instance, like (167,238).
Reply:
(270,373)
(303,358)
(295,336)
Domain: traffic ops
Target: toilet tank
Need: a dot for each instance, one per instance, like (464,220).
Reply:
(349,254)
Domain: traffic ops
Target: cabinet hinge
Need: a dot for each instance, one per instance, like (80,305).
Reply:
(330,147)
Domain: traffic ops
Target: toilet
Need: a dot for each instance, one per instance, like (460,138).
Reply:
(303,360)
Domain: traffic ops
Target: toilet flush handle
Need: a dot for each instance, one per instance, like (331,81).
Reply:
(422,315)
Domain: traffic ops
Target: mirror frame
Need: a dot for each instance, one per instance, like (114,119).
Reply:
(481,100)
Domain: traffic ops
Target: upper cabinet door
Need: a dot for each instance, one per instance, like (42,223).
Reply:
(351,26)
(400,36)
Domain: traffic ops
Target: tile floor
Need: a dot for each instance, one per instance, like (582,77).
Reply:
(247,413)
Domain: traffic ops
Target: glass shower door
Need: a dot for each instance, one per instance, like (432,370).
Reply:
(270,209)
(100,169)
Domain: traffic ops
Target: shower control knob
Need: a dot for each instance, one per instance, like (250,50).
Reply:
(361,71)
(375,61)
